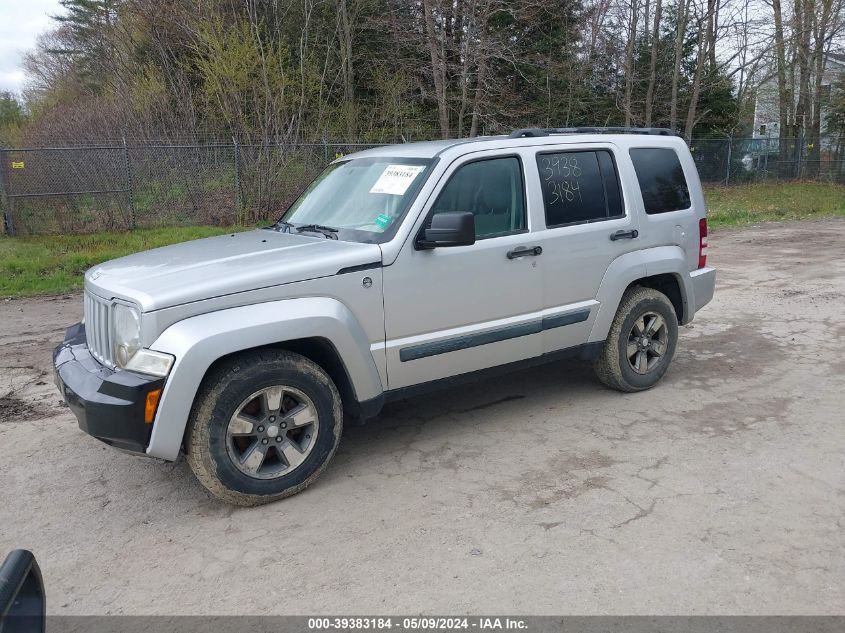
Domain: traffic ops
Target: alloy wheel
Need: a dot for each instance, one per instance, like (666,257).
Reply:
(647,342)
(272,432)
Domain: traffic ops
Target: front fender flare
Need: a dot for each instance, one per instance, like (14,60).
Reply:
(628,268)
(199,341)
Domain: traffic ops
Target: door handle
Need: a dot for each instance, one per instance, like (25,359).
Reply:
(624,235)
(522,251)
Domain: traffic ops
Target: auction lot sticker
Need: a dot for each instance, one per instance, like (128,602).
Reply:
(396,179)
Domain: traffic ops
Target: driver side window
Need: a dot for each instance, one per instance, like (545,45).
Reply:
(492,191)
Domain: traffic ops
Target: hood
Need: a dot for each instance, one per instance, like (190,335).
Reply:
(227,264)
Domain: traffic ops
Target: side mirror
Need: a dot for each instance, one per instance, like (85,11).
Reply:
(22,602)
(449,229)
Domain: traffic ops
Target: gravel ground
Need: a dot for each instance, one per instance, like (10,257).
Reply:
(720,491)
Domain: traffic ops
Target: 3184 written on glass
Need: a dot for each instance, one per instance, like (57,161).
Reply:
(560,174)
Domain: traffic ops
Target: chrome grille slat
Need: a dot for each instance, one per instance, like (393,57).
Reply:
(94,340)
(107,330)
(95,329)
(101,330)
(97,313)
(104,332)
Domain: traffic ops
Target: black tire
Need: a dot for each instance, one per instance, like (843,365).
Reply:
(612,366)
(224,390)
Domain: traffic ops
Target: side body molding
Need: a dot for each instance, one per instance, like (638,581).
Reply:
(635,265)
(198,341)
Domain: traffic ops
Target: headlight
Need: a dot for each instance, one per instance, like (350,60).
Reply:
(126,342)
(147,361)
(126,333)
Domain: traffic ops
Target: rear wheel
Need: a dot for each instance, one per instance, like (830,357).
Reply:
(641,341)
(263,427)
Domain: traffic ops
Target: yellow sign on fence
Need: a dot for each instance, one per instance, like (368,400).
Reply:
(17,164)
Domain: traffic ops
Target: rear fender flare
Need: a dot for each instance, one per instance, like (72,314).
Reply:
(627,269)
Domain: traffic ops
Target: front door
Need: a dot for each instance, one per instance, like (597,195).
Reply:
(454,310)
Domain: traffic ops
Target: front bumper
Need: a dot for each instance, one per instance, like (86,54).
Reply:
(108,404)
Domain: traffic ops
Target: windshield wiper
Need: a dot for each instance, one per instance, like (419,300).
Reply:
(329,232)
(282,226)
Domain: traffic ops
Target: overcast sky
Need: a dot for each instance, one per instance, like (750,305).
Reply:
(20,22)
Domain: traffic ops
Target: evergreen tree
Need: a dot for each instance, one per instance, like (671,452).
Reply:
(87,31)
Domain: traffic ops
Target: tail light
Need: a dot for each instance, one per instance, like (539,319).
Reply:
(702,242)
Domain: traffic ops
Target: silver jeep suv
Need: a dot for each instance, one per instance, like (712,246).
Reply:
(400,268)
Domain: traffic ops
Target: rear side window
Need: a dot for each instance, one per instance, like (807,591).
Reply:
(579,187)
(661,179)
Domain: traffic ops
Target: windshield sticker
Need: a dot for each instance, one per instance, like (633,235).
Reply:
(396,179)
(382,221)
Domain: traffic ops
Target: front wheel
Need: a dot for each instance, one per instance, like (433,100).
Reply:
(641,341)
(263,427)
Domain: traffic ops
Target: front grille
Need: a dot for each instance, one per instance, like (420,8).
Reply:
(97,330)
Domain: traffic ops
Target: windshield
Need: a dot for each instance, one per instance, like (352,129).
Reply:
(363,199)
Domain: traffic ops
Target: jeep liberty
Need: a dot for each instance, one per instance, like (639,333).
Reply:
(400,268)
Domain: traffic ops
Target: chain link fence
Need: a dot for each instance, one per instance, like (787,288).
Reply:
(106,188)
(124,186)
(734,161)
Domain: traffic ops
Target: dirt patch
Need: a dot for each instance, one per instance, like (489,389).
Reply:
(736,416)
(15,409)
(564,477)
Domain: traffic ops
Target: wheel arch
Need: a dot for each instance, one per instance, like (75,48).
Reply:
(321,329)
(663,268)
(318,349)
(670,285)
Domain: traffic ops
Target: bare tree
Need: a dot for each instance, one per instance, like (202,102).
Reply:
(438,64)
(652,68)
(680,30)
(630,53)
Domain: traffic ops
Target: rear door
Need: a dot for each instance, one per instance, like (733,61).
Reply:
(589,222)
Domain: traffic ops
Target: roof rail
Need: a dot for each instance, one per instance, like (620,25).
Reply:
(531,132)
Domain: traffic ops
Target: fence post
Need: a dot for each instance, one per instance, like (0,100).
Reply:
(325,149)
(129,185)
(5,194)
(238,200)
(728,169)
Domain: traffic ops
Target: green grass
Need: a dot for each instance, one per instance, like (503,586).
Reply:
(53,264)
(766,202)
